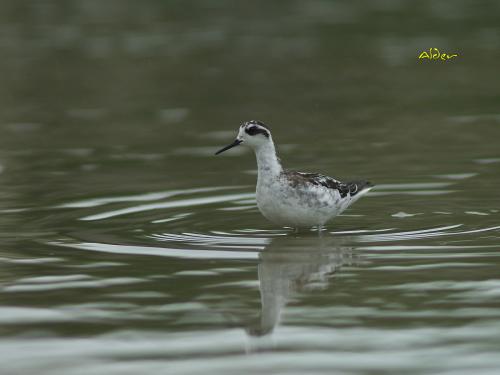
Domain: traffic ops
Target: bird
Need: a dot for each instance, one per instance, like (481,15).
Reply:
(289,198)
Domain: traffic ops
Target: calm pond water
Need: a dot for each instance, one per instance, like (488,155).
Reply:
(126,247)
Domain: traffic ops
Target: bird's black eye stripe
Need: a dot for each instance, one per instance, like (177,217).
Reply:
(254,130)
(255,122)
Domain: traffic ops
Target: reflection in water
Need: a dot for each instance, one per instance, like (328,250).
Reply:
(289,265)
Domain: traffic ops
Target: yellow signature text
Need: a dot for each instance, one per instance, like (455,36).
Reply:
(434,54)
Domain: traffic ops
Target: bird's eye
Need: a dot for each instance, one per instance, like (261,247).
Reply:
(252,130)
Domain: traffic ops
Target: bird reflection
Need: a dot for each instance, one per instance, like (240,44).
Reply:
(290,264)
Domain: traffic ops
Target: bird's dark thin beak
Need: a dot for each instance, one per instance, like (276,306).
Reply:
(234,144)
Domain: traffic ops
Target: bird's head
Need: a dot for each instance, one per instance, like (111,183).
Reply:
(251,133)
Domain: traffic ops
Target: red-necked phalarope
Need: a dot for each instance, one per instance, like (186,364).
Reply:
(289,198)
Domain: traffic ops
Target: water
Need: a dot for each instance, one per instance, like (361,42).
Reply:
(127,247)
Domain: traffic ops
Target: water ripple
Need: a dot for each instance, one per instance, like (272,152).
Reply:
(422,233)
(225,240)
(160,251)
(46,283)
(171,204)
(140,197)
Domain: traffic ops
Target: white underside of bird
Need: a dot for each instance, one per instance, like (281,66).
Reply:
(304,207)
(295,203)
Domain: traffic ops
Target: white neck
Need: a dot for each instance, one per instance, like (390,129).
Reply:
(267,161)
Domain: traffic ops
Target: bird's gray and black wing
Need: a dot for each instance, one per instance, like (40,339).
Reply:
(344,188)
